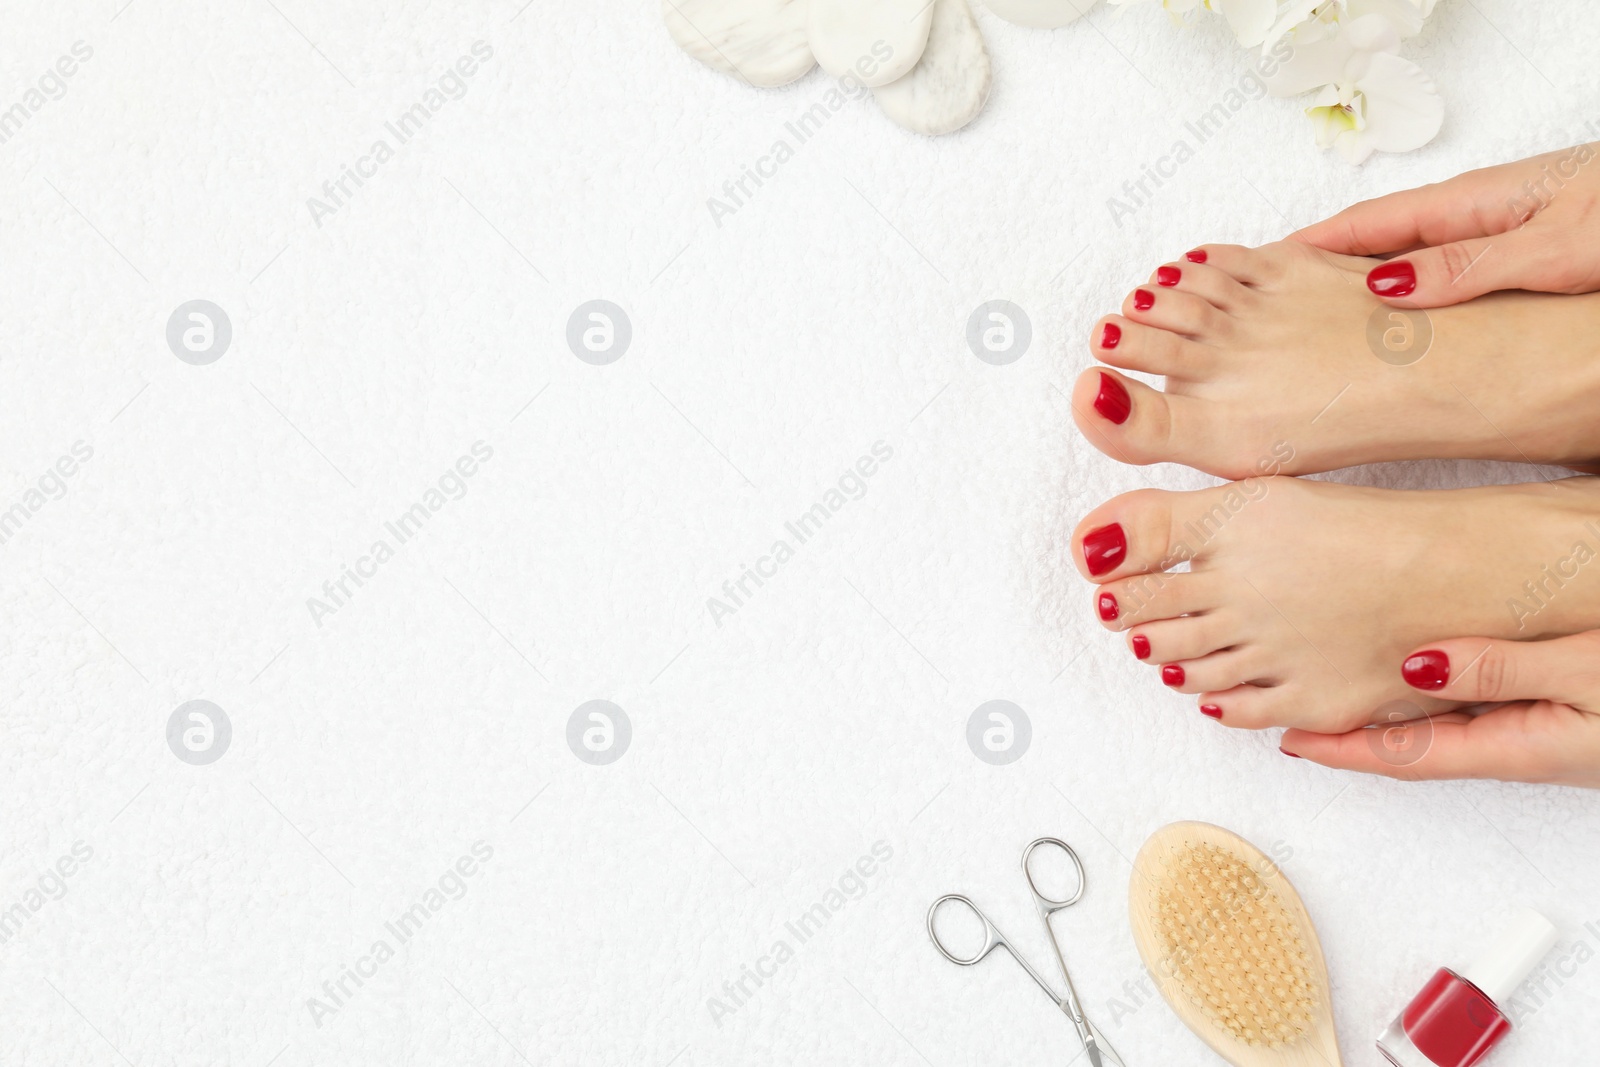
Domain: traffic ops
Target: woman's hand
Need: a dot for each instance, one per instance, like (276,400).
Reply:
(1530,225)
(1546,729)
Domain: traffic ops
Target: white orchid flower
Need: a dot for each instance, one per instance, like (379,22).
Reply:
(1305,21)
(1372,100)
(1249,19)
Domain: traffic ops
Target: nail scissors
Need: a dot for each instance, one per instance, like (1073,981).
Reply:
(1099,1051)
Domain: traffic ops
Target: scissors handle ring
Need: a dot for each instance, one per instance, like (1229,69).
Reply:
(1049,903)
(992,938)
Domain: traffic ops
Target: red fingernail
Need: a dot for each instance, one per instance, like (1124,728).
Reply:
(1291,755)
(1392,279)
(1108,607)
(1196,256)
(1104,548)
(1113,401)
(1144,299)
(1168,276)
(1427,670)
(1110,335)
(1172,674)
(1141,646)
(1211,711)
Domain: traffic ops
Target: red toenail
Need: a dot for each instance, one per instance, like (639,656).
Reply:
(1110,335)
(1427,670)
(1211,711)
(1141,646)
(1172,674)
(1197,256)
(1104,548)
(1393,279)
(1113,401)
(1144,299)
(1168,276)
(1108,607)
(1292,755)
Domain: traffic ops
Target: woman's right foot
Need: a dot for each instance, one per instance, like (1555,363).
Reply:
(1280,360)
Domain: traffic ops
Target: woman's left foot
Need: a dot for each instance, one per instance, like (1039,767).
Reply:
(1280,360)
(1303,598)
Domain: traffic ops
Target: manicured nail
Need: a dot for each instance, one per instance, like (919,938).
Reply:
(1168,276)
(1144,299)
(1392,279)
(1108,607)
(1113,401)
(1196,256)
(1110,335)
(1211,711)
(1172,674)
(1291,755)
(1141,646)
(1104,548)
(1427,670)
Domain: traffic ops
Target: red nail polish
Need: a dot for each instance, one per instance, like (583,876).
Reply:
(1291,755)
(1144,299)
(1211,711)
(1168,276)
(1110,335)
(1427,670)
(1172,674)
(1104,549)
(1196,256)
(1393,279)
(1458,1018)
(1113,401)
(1108,607)
(1141,646)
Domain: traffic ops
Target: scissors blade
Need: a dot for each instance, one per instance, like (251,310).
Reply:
(1101,1054)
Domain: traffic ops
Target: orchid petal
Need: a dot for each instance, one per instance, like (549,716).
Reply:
(1249,19)
(1403,106)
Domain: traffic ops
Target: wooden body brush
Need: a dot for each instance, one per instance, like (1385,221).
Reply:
(1231,948)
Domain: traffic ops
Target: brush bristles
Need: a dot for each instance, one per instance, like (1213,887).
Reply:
(1232,946)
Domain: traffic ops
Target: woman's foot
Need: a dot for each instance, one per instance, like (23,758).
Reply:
(1280,360)
(1302,598)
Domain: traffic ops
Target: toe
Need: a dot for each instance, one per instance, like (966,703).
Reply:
(1218,671)
(1252,707)
(1133,423)
(1176,640)
(1175,310)
(1147,598)
(1155,530)
(1130,345)
(1247,266)
(1215,286)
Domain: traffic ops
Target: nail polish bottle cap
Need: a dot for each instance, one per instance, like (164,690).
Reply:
(1512,956)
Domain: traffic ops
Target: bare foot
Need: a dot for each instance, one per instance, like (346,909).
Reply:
(1303,598)
(1279,360)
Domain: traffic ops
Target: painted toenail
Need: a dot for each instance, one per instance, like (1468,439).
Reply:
(1108,607)
(1196,256)
(1141,646)
(1144,299)
(1110,335)
(1168,276)
(1113,401)
(1427,670)
(1393,279)
(1172,674)
(1104,548)
(1211,711)
(1291,755)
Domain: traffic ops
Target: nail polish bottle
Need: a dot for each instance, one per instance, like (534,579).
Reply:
(1458,1018)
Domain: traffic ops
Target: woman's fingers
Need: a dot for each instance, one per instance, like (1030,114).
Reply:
(1433,214)
(1524,742)
(1525,258)
(1480,670)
